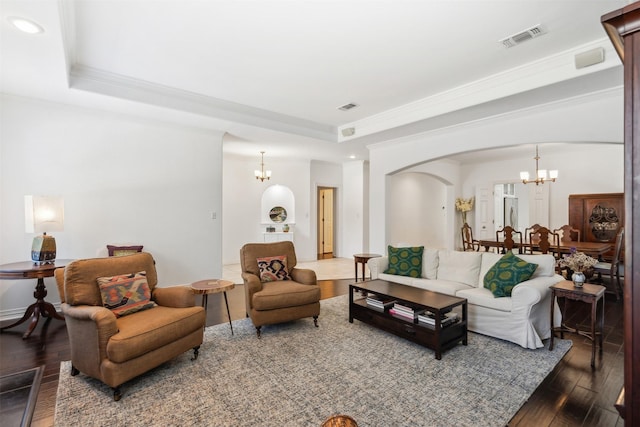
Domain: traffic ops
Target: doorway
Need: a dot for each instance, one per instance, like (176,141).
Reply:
(326,214)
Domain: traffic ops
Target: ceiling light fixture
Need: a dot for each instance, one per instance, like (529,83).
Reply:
(25,25)
(541,174)
(262,174)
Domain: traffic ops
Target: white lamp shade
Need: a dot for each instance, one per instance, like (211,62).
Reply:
(524,176)
(43,214)
(542,174)
(553,174)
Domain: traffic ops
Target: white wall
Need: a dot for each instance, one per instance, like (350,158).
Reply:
(417,209)
(354,202)
(242,196)
(592,118)
(123,180)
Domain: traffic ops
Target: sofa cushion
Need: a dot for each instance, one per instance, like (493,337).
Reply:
(430,263)
(405,261)
(457,266)
(484,298)
(403,280)
(506,273)
(148,330)
(126,293)
(273,268)
(285,294)
(440,286)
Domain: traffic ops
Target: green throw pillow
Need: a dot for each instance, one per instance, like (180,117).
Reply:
(506,273)
(405,261)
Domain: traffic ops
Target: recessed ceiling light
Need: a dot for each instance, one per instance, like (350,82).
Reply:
(352,156)
(25,25)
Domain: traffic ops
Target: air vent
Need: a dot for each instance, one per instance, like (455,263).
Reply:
(347,107)
(523,36)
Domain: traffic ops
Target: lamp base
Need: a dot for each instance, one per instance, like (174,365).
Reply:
(43,250)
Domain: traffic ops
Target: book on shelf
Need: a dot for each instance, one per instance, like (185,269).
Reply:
(429,318)
(408,310)
(379,302)
(403,315)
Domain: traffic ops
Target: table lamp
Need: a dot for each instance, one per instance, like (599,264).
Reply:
(43,214)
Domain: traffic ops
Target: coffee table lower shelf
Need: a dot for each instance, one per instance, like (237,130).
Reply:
(437,339)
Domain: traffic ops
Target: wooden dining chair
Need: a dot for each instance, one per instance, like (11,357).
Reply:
(568,234)
(545,241)
(509,237)
(614,269)
(528,231)
(468,242)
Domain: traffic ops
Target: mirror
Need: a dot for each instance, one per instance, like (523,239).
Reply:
(278,214)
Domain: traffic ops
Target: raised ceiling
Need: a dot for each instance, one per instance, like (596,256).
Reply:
(272,74)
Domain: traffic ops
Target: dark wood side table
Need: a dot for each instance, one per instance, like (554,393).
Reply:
(29,270)
(213,286)
(362,259)
(588,293)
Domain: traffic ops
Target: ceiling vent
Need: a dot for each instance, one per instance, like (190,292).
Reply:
(523,36)
(347,107)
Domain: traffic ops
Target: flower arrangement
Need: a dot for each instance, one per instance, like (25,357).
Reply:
(577,261)
(464,206)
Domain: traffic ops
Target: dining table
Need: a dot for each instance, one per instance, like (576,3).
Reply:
(594,249)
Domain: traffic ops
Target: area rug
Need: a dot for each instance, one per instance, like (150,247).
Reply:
(299,375)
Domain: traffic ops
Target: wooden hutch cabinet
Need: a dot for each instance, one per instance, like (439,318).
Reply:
(597,216)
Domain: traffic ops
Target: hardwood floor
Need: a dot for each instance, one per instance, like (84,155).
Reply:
(572,395)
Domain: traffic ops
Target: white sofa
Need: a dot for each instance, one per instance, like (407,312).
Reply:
(522,318)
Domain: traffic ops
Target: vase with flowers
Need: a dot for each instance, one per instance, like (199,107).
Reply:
(464,206)
(578,262)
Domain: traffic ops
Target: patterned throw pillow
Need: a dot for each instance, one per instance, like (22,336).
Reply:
(405,261)
(123,250)
(506,273)
(273,268)
(126,293)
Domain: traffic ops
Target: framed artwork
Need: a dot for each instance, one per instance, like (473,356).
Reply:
(278,214)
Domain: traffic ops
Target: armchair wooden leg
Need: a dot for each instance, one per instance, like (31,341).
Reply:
(315,321)
(258,331)
(117,394)
(196,351)
(74,371)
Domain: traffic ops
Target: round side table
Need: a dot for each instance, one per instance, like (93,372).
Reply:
(362,259)
(213,286)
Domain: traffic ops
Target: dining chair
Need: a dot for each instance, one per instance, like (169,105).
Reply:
(568,234)
(545,241)
(615,268)
(468,242)
(509,237)
(528,231)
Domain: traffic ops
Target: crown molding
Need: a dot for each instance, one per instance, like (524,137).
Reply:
(544,72)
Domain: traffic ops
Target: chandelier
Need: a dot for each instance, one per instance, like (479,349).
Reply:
(541,174)
(262,174)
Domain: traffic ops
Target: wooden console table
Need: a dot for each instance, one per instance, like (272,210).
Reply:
(29,270)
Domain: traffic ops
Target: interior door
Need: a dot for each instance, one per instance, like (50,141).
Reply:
(325,220)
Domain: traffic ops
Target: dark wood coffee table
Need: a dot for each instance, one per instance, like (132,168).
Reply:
(436,337)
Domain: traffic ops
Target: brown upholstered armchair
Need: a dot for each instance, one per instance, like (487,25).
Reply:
(117,349)
(278,301)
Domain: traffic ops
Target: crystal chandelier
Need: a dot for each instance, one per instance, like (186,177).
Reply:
(541,174)
(262,174)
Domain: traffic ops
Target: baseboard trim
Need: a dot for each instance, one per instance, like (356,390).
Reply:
(17,313)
